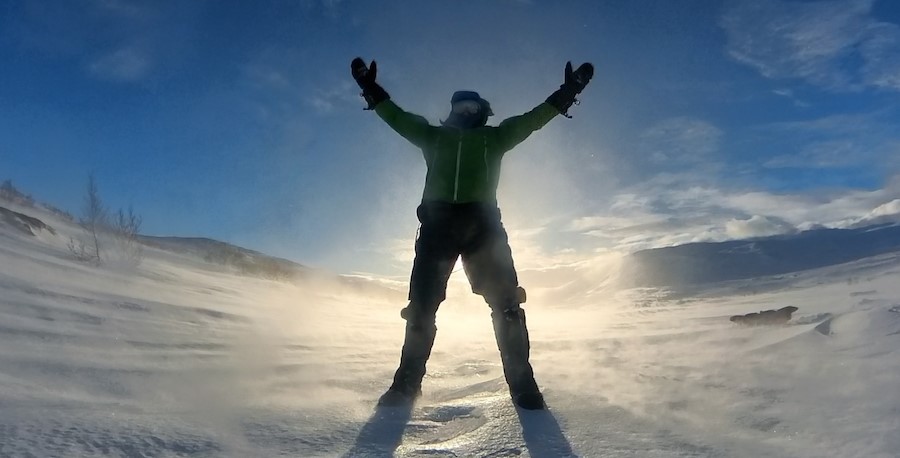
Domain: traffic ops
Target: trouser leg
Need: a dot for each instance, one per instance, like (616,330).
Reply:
(416,350)
(492,274)
(435,257)
(511,333)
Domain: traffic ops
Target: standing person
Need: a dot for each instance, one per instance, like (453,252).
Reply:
(459,217)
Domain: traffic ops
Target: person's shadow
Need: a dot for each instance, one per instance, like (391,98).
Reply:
(382,433)
(542,434)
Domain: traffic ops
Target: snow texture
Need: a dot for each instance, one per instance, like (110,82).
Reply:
(180,358)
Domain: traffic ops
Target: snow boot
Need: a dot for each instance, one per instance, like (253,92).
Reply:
(396,398)
(512,341)
(407,385)
(530,401)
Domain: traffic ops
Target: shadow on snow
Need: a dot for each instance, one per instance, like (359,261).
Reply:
(382,433)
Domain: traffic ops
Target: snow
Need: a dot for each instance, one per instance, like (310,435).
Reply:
(176,358)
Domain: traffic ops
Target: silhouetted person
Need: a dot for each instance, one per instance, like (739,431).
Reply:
(459,217)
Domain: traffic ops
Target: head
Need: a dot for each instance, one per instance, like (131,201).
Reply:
(468,110)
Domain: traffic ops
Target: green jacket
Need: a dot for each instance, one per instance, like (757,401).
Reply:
(463,164)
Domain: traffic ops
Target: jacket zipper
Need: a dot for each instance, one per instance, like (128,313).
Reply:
(487,168)
(458,158)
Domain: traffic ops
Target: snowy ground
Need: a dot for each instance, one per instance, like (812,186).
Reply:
(175,359)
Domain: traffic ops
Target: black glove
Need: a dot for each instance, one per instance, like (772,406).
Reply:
(574,83)
(365,78)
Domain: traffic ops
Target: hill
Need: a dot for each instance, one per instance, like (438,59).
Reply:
(699,263)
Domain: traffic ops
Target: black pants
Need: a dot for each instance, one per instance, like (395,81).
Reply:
(472,231)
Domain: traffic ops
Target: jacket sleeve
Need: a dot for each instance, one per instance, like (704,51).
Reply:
(516,129)
(410,126)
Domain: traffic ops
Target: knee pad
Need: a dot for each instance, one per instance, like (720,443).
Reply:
(507,296)
(416,317)
(510,313)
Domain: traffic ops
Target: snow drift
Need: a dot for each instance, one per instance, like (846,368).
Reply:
(182,357)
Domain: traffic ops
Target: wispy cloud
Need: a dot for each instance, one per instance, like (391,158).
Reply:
(327,100)
(881,53)
(329,8)
(654,215)
(836,141)
(123,65)
(886,213)
(122,8)
(757,226)
(823,154)
(276,84)
(815,41)
(113,40)
(681,141)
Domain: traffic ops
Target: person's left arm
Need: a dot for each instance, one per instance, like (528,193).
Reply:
(515,130)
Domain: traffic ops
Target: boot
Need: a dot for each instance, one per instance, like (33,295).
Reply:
(407,385)
(512,340)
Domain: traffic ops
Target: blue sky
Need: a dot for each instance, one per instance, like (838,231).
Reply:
(706,120)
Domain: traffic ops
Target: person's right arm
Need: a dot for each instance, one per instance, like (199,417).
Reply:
(410,126)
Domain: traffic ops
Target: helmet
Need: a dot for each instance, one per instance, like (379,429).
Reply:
(468,110)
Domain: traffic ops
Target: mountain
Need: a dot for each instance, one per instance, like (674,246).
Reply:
(57,231)
(246,261)
(699,263)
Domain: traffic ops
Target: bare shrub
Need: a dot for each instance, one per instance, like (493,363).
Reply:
(114,241)
(125,233)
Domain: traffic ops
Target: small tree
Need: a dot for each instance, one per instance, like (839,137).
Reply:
(94,217)
(93,220)
(126,231)
(115,240)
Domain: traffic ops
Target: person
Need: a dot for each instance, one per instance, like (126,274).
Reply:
(459,217)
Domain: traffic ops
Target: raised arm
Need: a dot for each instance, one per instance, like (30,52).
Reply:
(410,126)
(517,128)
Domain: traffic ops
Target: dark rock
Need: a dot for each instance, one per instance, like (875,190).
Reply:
(765,317)
(23,223)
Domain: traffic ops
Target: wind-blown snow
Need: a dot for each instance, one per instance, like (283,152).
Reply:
(177,358)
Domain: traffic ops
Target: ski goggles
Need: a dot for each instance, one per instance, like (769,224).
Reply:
(466,107)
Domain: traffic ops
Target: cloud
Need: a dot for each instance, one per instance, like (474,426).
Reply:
(823,154)
(885,213)
(790,95)
(122,65)
(329,8)
(656,214)
(818,42)
(881,53)
(681,141)
(854,140)
(890,208)
(341,95)
(122,8)
(280,84)
(757,226)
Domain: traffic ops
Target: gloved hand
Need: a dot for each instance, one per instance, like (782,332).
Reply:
(372,92)
(363,75)
(575,82)
(578,79)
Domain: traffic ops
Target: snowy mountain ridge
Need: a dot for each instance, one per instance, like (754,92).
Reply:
(30,220)
(711,262)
